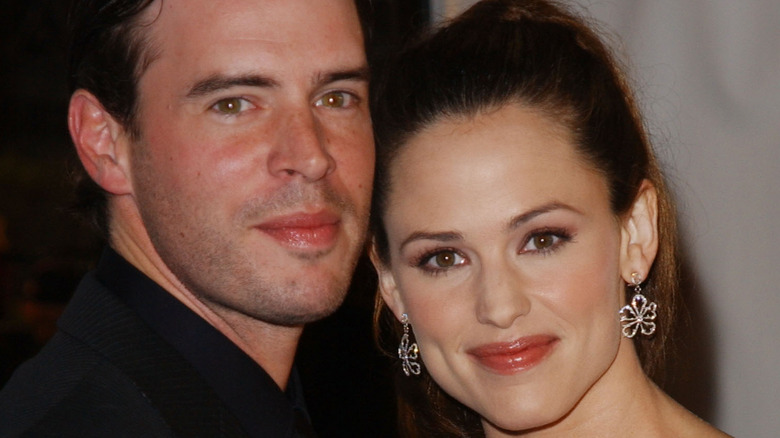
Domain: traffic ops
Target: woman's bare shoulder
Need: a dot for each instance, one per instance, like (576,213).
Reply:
(686,424)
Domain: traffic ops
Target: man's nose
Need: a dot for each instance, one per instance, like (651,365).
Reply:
(301,147)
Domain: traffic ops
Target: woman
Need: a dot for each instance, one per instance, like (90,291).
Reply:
(523,234)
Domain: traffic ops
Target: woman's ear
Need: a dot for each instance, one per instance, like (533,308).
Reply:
(639,234)
(387,285)
(101,143)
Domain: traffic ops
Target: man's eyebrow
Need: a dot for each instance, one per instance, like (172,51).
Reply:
(359,74)
(221,82)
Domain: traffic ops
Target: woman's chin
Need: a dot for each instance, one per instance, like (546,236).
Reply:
(525,422)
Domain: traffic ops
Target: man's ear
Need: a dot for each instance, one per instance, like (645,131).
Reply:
(639,234)
(388,288)
(101,143)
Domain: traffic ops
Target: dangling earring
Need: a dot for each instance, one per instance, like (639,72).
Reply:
(640,314)
(408,353)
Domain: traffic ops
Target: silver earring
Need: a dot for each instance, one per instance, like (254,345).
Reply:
(408,353)
(639,314)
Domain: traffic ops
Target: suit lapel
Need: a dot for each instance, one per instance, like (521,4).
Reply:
(191,407)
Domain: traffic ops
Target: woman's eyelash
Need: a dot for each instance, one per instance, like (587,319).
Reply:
(541,241)
(423,261)
(546,240)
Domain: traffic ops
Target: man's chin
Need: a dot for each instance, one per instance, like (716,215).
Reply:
(299,320)
(316,310)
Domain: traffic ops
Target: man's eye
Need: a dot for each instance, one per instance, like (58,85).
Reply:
(336,99)
(231,106)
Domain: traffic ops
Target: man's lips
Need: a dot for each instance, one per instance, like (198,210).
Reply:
(303,230)
(518,355)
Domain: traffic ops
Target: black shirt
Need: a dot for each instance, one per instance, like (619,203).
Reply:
(261,407)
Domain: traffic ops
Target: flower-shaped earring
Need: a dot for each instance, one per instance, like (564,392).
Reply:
(408,353)
(639,314)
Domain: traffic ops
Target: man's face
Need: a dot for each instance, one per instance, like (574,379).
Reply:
(253,171)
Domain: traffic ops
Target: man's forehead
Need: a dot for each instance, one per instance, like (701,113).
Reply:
(260,43)
(273,26)
(330,15)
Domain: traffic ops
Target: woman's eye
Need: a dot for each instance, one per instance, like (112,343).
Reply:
(336,99)
(545,241)
(441,260)
(231,106)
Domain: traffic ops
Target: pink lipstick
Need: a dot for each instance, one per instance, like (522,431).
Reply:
(515,356)
(302,230)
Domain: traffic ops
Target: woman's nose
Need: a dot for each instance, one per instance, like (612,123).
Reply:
(502,296)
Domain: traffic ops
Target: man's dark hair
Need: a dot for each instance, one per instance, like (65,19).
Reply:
(107,56)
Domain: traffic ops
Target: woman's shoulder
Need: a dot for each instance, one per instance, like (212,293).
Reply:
(700,428)
(683,423)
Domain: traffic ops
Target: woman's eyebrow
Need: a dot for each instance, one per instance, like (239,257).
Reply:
(546,208)
(446,236)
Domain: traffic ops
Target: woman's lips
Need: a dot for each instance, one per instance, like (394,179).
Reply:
(518,355)
(303,231)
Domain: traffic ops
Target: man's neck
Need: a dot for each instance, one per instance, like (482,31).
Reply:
(273,347)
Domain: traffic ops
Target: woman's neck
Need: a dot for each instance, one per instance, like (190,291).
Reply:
(622,402)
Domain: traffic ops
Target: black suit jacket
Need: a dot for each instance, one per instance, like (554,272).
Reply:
(105,373)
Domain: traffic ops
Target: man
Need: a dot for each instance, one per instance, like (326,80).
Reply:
(232,144)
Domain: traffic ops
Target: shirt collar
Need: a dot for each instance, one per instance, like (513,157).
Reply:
(261,406)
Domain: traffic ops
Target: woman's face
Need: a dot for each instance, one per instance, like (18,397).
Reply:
(506,256)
